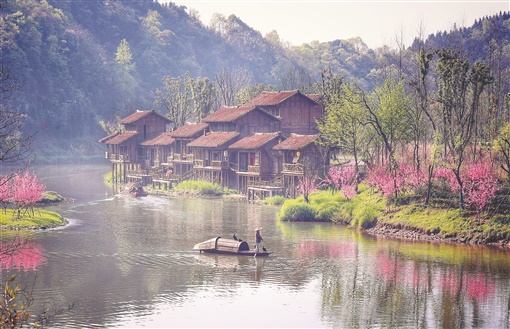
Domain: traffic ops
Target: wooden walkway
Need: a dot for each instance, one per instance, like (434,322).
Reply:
(262,192)
(144,178)
(167,183)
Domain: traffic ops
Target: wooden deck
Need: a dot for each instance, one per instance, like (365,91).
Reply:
(167,183)
(262,192)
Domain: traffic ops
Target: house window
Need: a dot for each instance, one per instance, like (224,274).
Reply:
(216,155)
(183,147)
(141,154)
(123,150)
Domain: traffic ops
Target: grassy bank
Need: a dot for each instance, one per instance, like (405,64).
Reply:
(203,188)
(41,219)
(369,211)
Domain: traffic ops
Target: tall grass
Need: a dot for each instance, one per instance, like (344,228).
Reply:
(322,207)
(362,211)
(201,187)
(276,200)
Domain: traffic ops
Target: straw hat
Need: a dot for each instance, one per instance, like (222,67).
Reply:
(258,229)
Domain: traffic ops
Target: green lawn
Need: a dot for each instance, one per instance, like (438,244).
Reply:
(41,218)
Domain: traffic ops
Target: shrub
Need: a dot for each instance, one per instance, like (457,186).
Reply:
(51,197)
(345,213)
(325,211)
(364,217)
(276,200)
(294,210)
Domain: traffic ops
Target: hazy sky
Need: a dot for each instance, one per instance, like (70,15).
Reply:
(377,22)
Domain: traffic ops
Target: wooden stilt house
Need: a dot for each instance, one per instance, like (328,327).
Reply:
(182,160)
(297,112)
(125,149)
(301,156)
(210,154)
(254,161)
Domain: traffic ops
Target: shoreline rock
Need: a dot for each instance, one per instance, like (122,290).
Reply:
(410,233)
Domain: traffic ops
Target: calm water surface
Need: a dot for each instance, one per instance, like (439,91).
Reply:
(127,262)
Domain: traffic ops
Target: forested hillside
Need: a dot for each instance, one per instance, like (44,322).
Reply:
(79,62)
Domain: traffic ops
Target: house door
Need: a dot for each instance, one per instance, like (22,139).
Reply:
(152,157)
(243,161)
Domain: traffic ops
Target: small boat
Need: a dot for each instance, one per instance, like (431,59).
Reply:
(220,245)
(134,189)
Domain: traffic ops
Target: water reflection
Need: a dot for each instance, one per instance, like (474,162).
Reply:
(28,256)
(387,288)
(129,262)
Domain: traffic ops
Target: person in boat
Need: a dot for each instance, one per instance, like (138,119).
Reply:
(258,240)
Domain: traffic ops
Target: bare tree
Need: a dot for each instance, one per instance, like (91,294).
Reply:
(15,148)
(230,82)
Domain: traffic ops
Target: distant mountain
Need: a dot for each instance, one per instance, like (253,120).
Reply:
(75,68)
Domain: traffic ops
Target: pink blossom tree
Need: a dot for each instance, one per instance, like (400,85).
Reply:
(5,192)
(391,183)
(26,191)
(480,185)
(343,178)
(447,176)
(308,184)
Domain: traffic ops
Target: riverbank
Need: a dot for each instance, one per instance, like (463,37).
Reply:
(416,222)
(36,219)
(416,234)
(368,212)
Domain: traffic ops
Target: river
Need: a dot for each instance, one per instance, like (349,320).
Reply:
(128,262)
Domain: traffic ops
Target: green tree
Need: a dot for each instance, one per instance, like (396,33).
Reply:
(460,87)
(185,99)
(501,147)
(386,112)
(203,95)
(124,57)
(342,127)
(250,92)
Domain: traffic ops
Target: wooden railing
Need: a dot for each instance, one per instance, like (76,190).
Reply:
(180,157)
(219,164)
(254,169)
(164,176)
(275,182)
(243,168)
(118,157)
(293,167)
